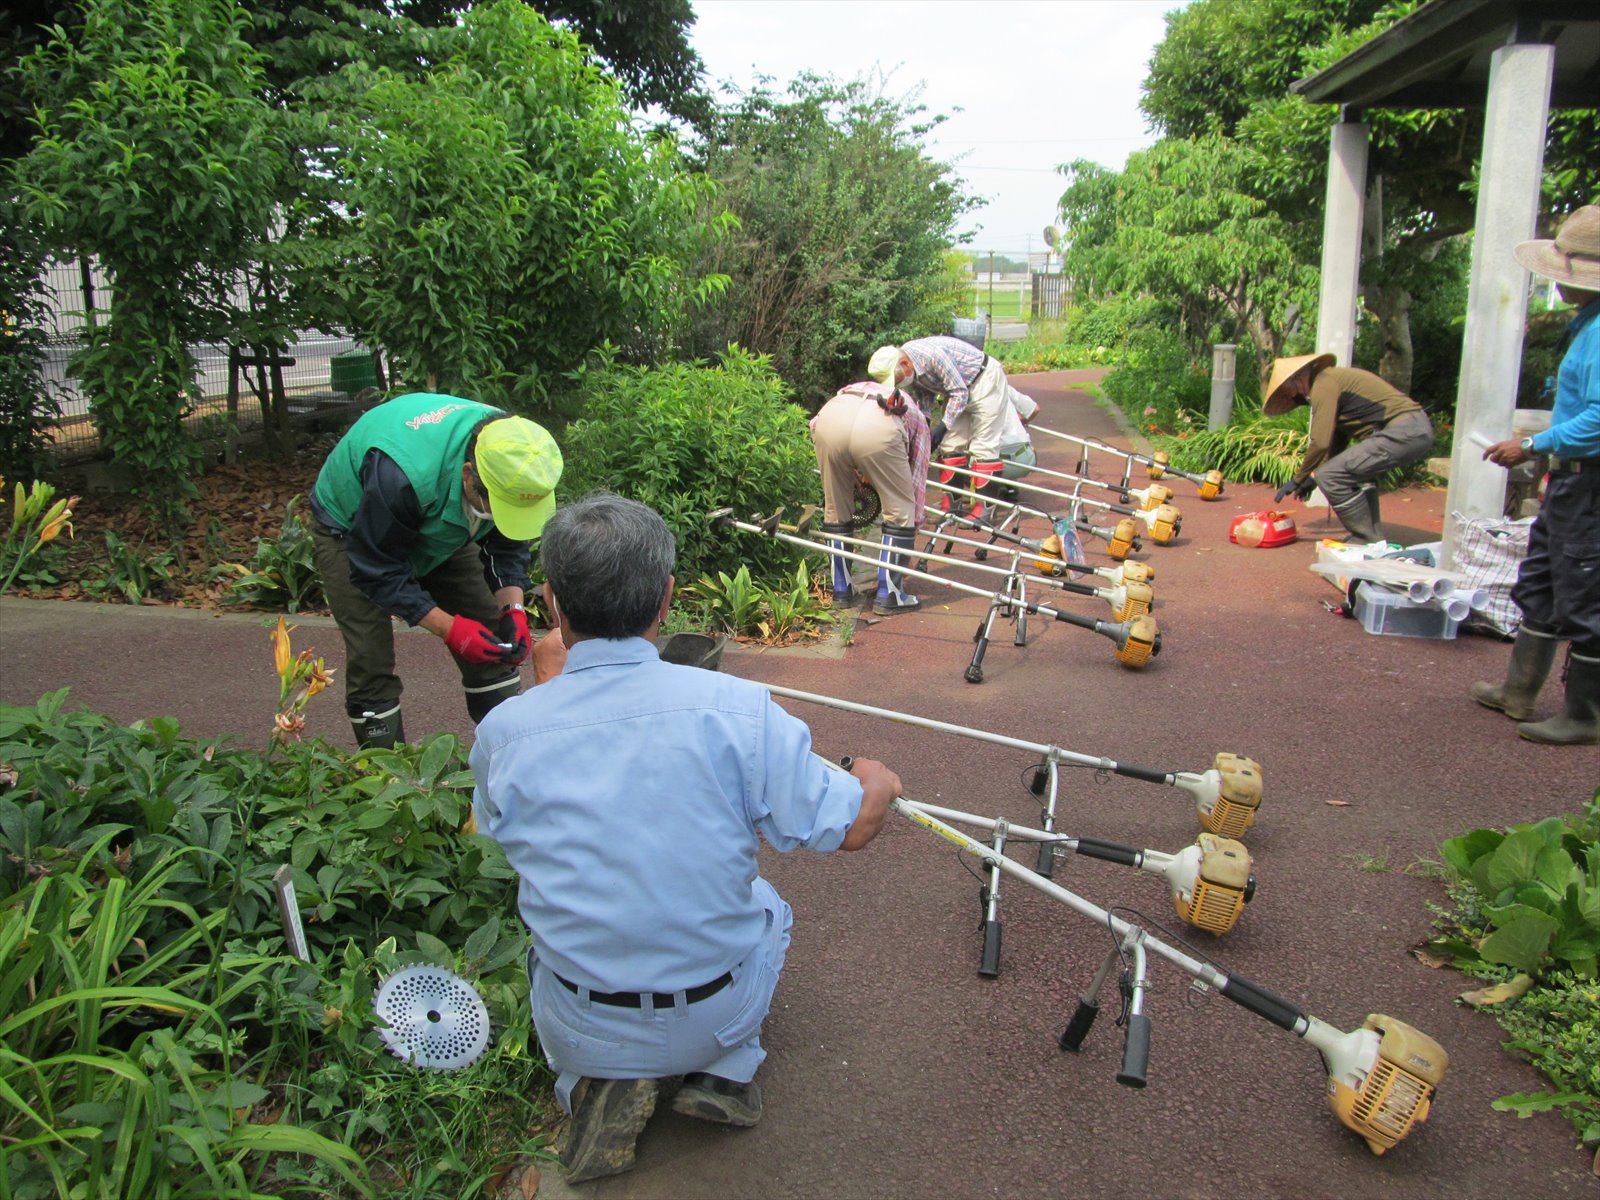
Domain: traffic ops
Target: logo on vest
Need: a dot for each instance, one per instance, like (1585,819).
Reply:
(437,415)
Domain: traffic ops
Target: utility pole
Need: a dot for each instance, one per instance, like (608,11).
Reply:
(989,316)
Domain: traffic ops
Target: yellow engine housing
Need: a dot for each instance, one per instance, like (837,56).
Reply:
(1138,572)
(1136,602)
(1398,1092)
(1122,538)
(1158,468)
(1234,810)
(1141,643)
(1155,496)
(1051,560)
(1166,524)
(1219,893)
(1212,487)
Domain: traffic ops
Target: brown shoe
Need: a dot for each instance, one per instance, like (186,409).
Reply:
(607,1117)
(713,1098)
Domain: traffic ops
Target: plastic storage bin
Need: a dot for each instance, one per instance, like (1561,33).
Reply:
(1384,612)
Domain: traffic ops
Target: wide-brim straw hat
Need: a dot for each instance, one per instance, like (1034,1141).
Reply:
(1278,399)
(1572,256)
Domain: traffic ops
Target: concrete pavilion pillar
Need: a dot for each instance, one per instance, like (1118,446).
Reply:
(1510,173)
(1341,238)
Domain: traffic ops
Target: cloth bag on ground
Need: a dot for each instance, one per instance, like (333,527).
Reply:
(1488,552)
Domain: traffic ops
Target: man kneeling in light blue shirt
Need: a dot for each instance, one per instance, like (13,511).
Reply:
(628,794)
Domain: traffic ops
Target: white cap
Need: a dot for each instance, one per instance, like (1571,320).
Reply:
(883,364)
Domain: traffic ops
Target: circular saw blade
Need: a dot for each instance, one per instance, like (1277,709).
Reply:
(868,506)
(432,1017)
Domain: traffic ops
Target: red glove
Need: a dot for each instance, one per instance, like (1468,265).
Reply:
(513,628)
(476,643)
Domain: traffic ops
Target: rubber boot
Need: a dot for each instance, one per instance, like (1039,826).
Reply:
(1357,517)
(987,483)
(1374,506)
(379,730)
(1578,724)
(482,700)
(898,542)
(948,502)
(1532,655)
(844,591)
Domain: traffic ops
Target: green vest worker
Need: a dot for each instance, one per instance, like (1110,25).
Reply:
(424,510)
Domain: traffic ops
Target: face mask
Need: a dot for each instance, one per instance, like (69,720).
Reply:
(475,517)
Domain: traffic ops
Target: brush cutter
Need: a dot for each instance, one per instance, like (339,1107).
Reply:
(1052,558)
(1381,1077)
(1158,465)
(1127,600)
(1121,539)
(1162,523)
(1150,498)
(1137,640)
(1226,795)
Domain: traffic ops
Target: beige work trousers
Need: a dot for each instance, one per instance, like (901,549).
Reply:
(978,428)
(853,434)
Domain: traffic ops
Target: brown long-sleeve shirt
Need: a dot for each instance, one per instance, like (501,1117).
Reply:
(1348,404)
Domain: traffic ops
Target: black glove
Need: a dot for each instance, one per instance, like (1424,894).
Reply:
(1282,494)
(935,436)
(1307,486)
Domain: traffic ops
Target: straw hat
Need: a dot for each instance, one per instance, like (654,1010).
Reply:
(1573,256)
(1278,399)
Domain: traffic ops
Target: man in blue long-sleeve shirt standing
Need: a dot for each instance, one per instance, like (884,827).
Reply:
(630,795)
(1558,584)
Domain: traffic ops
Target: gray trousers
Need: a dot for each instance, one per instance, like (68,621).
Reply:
(1400,443)
(370,682)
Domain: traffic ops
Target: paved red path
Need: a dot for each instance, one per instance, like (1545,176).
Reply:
(896,1071)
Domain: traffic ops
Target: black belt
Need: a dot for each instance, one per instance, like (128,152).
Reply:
(1573,466)
(657,999)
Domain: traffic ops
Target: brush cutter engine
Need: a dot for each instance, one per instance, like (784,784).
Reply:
(1381,1078)
(1138,641)
(1123,540)
(1152,497)
(1212,882)
(1227,796)
(1129,600)
(1164,521)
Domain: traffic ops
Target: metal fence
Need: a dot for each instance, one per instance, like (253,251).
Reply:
(236,387)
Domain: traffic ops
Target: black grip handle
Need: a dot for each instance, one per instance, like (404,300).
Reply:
(1148,774)
(1126,856)
(1136,1052)
(1078,1028)
(1041,776)
(990,967)
(1262,1002)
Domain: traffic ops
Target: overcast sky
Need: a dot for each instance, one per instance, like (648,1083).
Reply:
(1038,82)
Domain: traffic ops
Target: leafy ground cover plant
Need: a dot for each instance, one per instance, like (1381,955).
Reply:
(1524,914)
(745,608)
(202,1059)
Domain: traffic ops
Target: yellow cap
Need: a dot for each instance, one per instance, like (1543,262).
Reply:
(882,365)
(520,465)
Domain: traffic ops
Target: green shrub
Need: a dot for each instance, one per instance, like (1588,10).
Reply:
(1108,323)
(690,439)
(1159,385)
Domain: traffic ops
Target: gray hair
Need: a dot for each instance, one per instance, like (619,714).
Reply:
(608,560)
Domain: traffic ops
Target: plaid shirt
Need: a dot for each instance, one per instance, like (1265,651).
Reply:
(945,366)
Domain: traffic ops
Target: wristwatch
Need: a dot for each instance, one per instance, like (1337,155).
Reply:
(1526,445)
